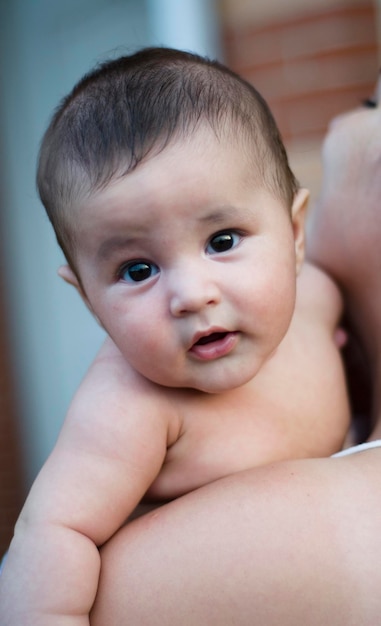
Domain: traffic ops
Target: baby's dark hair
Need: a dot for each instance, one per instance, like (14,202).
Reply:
(126,108)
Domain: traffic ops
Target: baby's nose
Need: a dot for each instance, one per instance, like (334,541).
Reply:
(192,291)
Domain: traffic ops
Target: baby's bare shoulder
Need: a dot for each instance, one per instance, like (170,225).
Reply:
(114,398)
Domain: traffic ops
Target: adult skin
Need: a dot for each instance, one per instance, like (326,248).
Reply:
(291,543)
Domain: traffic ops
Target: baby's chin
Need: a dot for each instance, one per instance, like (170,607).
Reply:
(208,384)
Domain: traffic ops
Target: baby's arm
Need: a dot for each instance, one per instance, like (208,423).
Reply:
(110,449)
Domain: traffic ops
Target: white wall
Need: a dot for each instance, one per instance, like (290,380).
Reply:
(45,46)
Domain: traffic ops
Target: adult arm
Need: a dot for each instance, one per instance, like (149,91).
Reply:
(293,543)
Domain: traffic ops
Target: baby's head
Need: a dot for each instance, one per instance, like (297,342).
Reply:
(133,107)
(170,192)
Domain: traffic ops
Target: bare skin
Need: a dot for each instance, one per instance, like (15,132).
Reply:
(210,325)
(345,229)
(296,542)
(293,543)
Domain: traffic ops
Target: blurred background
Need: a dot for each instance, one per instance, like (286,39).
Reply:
(309,60)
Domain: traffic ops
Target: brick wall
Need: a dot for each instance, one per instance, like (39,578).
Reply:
(310,61)
(10,467)
(309,66)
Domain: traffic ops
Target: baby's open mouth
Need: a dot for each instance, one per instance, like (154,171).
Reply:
(215,345)
(210,338)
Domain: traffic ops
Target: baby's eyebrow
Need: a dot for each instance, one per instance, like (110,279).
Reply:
(113,245)
(225,213)
(117,243)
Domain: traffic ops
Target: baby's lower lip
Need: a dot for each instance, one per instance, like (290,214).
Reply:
(215,346)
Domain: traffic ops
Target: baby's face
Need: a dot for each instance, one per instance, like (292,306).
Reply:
(190,265)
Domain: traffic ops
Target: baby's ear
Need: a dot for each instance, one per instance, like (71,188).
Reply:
(298,215)
(65,272)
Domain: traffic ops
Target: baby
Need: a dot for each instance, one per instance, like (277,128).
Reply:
(170,193)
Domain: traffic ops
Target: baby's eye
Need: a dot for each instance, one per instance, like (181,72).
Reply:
(222,242)
(137,271)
